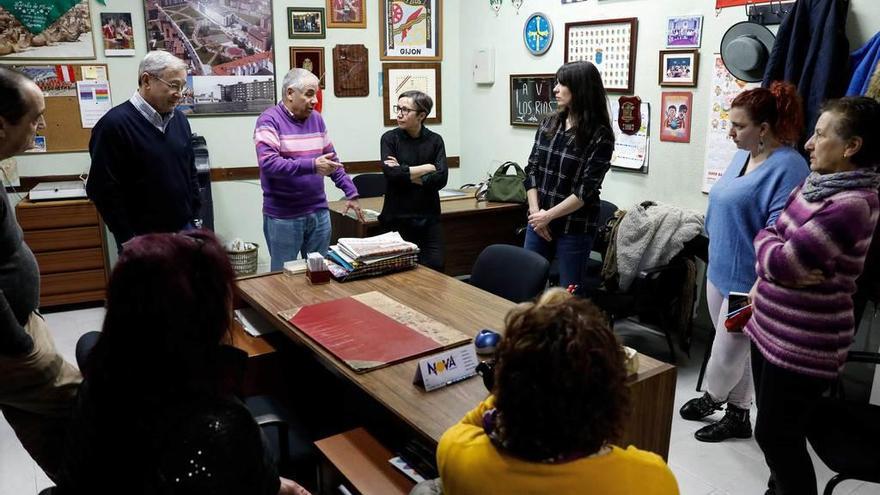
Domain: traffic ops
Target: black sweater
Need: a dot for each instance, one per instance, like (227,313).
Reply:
(403,198)
(142,180)
(19,284)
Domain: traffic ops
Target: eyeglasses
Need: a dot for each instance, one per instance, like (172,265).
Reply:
(399,109)
(176,86)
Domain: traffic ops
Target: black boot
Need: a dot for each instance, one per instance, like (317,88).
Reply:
(700,407)
(734,424)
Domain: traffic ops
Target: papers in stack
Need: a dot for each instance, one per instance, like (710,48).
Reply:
(356,258)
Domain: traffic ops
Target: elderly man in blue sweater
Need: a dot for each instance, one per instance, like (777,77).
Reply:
(143,175)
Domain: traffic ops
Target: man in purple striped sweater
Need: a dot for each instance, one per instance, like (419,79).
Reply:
(807,265)
(295,154)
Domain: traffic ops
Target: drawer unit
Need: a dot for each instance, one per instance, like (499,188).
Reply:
(67,238)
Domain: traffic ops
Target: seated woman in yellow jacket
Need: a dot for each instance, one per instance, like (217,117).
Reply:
(559,402)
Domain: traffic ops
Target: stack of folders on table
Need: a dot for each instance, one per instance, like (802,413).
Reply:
(354,258)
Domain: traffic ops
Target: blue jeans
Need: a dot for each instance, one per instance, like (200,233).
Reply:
(287,237)
(572,251)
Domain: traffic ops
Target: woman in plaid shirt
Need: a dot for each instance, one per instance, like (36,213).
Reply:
(571,155)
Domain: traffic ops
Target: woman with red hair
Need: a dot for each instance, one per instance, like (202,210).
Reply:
(765,124)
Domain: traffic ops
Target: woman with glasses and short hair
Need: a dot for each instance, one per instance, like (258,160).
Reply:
(414,164)
(571,154)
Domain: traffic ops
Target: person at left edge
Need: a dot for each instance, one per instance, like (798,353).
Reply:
(295,154)
(143,174)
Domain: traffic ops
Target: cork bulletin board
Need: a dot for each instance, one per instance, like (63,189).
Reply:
(64,131)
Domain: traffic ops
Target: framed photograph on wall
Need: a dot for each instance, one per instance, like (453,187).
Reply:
(684,31)
(230,64)
(675,116)
(346,14)
(46,30)
(306,23)
(117,33)
(410,30)
(310,58)
(397,78)
(610,45)
(679,68)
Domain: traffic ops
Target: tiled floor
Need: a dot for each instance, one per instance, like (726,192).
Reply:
(733,467)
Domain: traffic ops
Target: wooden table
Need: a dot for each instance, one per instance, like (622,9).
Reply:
(356,459)
(468,227)
(467,309)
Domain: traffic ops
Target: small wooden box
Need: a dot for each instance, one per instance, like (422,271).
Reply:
(321,277)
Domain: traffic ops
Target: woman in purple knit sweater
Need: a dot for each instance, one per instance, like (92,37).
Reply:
(807,265)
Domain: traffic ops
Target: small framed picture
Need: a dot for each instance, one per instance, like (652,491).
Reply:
(610,44)
(410,29)
(116,30)
(675,118)
(310,58)
(346,14)
(306,22)
(679,68)
(684,31)
(398,78)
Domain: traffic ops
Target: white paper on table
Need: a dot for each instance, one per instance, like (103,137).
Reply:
(631,151)
(719,147)
(253,322)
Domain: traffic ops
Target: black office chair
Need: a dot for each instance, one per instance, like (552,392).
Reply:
(511,272)
(846,435)
(662,297)
(370,185)
(285,433)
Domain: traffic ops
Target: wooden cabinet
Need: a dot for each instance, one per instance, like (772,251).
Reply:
(67,238)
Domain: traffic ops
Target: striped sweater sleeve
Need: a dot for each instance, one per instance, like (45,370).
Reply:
(816,245)
(267,140)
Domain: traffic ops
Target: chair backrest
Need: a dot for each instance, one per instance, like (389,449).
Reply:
(370,185)
(606,211)
(84,346)
(511,272)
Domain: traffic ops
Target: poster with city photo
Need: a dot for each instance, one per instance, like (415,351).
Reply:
(117,34)
(227,47)
(46,30)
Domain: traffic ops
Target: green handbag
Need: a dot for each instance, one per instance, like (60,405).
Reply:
(505,188)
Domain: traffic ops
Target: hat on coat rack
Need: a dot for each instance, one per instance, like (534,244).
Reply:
(745,50)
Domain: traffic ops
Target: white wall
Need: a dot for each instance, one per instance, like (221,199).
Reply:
(675,169)
(355,124)
(475,118)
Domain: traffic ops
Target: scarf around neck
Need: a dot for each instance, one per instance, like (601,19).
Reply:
(820,186)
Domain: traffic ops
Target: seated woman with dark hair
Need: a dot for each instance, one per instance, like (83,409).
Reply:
(560,400)
(158,356)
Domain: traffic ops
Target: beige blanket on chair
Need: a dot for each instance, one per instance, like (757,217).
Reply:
(650,235)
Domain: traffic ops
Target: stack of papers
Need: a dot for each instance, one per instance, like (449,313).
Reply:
(357,258)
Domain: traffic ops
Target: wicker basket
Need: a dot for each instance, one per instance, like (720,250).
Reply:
(244,262)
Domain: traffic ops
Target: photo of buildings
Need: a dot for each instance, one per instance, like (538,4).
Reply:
(228,47)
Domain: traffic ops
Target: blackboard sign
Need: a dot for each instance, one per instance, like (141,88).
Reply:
(531,98)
